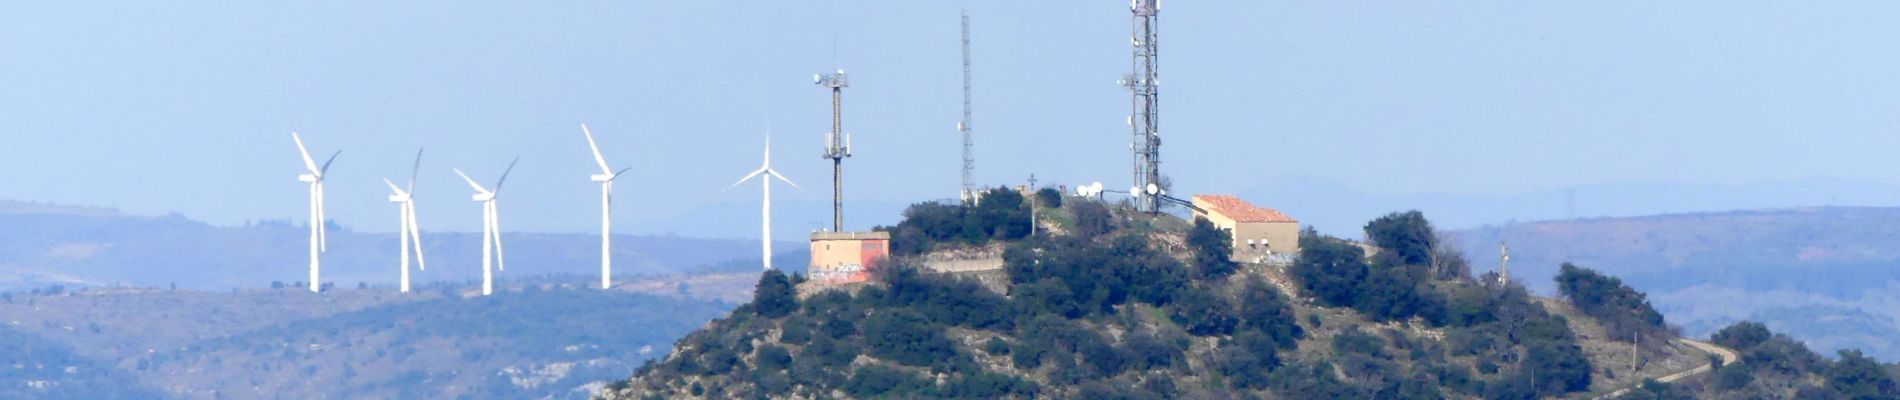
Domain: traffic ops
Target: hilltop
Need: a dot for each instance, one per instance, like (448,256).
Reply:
(1120,305)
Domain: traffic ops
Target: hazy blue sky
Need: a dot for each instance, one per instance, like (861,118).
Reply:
(188,106)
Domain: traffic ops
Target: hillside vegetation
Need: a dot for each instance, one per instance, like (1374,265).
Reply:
(1149,307)
(1824,275)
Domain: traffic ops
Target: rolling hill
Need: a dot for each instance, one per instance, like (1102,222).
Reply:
(537,338)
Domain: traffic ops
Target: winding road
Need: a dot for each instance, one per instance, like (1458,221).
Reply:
(1728,357)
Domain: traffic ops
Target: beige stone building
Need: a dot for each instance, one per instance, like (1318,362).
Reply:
(847,257)
(1259,233)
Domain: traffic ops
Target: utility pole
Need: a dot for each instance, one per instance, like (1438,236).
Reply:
(837,143)
(969,158)
(1032,204)
(1504,264)
(1143,83)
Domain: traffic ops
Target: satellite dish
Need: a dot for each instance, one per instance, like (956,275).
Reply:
(1152,189)
(817,79)
(1134,191)
(1097,186)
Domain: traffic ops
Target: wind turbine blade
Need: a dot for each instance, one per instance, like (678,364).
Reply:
(471,182)
(308,163)
(415,233)
(617,174)
(415,170)
(504,174)
(326,163)
(393,187)
(781,178)
(746,178)
(596,147)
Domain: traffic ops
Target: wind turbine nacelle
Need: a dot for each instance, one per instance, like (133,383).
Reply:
(398,198)
(603,178)
(483,196)
(307,178)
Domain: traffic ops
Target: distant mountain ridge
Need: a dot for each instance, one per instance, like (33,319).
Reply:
(43,245)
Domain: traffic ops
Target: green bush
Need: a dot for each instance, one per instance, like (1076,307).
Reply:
(1213,248)
(1623,311)
(774,296)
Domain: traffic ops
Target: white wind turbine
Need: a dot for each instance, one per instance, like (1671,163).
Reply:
(491,228)
(319,235)
(606,179)
(410,231)
(766,208)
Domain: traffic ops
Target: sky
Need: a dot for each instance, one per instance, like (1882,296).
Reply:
(188,106)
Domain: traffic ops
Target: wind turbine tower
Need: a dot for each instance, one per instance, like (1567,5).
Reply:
(606,179)
(410,232)
(969,158)
(319,234)
(837,143)
(1143,84)
(765,214)
(491,227)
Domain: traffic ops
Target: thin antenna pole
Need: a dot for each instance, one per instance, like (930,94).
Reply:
(838,146)
(969,159)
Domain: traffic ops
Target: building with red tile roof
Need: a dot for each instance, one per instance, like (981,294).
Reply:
(1258,232)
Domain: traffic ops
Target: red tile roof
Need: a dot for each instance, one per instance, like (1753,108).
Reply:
(1241,210)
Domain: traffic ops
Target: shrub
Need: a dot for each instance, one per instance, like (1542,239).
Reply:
(1213,248)
(906,337)
(1623,311)
(1049,197)
(1263,309)
(1203,314)
(1742,335)
(1092,219)
(774,296)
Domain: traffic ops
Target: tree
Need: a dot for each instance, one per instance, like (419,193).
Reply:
(1213,250)
(1329,268)
(1742,335)
(1406,238)
(774,296)
(1623,310)
(1049,197)
(1859,377)
(1203,314)
(1264,310)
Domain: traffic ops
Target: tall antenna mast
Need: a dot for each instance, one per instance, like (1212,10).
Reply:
(969,159)
(838,143)
(1142,83)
